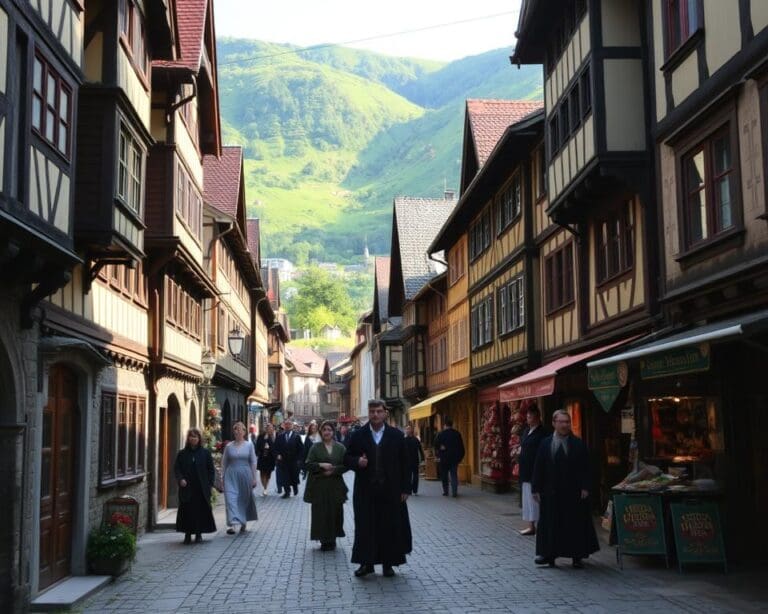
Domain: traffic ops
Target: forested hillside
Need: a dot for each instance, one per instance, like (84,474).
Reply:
(331,135)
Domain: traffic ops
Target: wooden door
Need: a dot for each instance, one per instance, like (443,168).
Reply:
(57,476)
(162,492)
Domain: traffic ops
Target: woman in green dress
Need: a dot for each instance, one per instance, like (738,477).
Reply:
(325,489)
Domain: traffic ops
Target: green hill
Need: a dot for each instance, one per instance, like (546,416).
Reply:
(331,135)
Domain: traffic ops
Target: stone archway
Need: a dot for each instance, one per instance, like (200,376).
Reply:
(169,443)
(193,417)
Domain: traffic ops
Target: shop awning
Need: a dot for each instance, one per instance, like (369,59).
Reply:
(741,326)
(425,408)
(541,382)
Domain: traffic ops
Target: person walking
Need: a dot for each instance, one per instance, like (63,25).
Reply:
(415,458)
(195,474)
(449,452)
(311,438)
(265,456)
(529,446)
(378,456)
(326,490)
(343,435)
(288,453)
(238,466)
(561,479)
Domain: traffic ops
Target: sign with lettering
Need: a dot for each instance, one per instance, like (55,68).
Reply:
(690,359)
(607,381)
(528,390)
(698,535)
(639,524)
(122,510)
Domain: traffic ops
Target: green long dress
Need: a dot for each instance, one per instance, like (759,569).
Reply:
(326,493)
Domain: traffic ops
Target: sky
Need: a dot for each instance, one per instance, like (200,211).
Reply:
(313,22)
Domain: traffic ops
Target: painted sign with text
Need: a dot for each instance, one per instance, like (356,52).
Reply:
(690,359)
(698,534)
(639,524)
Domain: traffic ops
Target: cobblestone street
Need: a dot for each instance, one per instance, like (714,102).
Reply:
(467,557)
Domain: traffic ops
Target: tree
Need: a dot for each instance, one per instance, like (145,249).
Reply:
(320,297)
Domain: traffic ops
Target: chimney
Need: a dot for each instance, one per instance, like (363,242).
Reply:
(449,195)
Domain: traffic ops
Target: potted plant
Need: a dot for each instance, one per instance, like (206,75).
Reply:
(112,546)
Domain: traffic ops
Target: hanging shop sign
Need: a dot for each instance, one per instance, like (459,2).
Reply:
(639,524)
(689,359)
(698,534)
(606,382)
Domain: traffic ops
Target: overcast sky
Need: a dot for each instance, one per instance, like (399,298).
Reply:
(312,22)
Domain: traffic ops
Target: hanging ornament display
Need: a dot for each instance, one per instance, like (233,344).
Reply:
(491,442)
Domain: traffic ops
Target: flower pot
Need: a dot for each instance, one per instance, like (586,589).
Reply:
(109,567)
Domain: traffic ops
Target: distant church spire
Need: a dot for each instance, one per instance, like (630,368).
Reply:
(366,253)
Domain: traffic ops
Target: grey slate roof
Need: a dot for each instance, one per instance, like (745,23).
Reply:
(382,285)
(418,222)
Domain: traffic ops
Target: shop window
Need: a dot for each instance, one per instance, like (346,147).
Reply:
(687,433)
(709,179)
(574,411)
(122,443)
(615,243)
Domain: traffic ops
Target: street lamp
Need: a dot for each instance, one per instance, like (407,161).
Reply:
(236,339)
(208,363)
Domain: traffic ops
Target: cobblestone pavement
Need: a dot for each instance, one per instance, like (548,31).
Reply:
(467,557)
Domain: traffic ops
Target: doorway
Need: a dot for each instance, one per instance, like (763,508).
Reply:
(57,475)
(170,429)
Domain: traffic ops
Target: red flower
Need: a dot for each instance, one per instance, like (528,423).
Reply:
(124,519)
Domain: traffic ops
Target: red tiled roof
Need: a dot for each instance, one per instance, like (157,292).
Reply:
(306,361)
(254,240)
(221,179)
(488,119)
(190,26)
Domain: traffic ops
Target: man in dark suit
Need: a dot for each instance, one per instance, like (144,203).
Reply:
(378,456)
(289,451)
(415,458)
(449,452)
(529,446)
(561,480)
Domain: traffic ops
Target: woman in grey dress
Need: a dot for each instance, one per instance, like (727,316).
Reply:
(238,465)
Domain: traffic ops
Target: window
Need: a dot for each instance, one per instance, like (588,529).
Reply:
(540,170)
(554,135)
(134,35)
(123,437)
(438,358)
(510,302)
(574,102)
(509,204)
(480,234)
(615,243)
(558,271)
(481,319)
(409,357)
(456,268)
(459,340)
(51,106)
(585,89)
(709,185)
(436,307)
(683,19)
(182,310)
(188,203)
(129,174)
(131,282)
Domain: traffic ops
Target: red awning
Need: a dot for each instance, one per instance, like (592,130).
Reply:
(541,382)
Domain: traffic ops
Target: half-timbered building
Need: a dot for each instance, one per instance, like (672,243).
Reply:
(415,222)
(278,334)
(598,279)
(698,386)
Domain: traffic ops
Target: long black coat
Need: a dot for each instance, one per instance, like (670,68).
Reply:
(451,440)
(529,446)
(565,521)
(195,465)
(415,451)
(382,526)
(265,453)
(292,453)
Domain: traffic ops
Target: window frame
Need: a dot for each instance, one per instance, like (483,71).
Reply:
(480,233)
(511,295)
(46,107)
(504,218)
(131,21)
(482,323)
(456,263)
(674,10)
(127,171)
(618,245)
(559,284)
(122,443)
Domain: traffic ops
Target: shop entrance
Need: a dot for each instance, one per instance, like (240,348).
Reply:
(59,447)
(170,418)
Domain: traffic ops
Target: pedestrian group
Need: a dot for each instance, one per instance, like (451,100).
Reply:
(554,475)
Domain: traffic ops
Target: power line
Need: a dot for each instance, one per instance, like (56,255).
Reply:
(266,56)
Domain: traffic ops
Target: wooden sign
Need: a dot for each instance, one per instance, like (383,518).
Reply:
(690,359)
(698,534)
(120,509)
(639,525)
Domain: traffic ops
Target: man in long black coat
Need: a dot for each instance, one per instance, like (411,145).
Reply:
(289,451)
(561,479)
(449,452)
(415,458)
(378,456)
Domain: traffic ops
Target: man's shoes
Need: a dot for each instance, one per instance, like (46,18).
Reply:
(387,571)
(541,560)
(243,528)
(198,538)
(295,491)
(231,531)
(577,564)
(528,531)
(445,494)
(327,546)
(187,539)
(363,570)
(286,494)
(455,495)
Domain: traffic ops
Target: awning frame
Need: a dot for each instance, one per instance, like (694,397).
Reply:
(426,408)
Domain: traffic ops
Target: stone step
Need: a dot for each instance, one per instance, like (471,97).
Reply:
(69,592)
